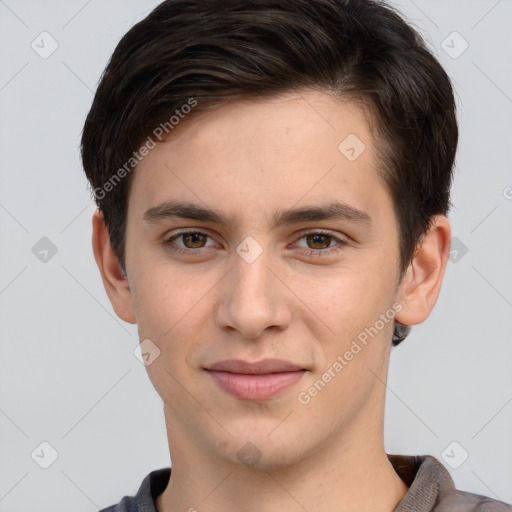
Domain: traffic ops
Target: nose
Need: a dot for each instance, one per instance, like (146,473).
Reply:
(253,299)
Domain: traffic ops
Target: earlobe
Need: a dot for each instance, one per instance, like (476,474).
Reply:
(421,284)
(114,280)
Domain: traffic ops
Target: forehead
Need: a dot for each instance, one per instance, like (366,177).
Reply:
(279,122)
(255,154)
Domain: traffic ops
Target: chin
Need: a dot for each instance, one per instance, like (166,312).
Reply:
(262,452)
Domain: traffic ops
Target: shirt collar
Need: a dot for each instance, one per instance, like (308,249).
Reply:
(425,476)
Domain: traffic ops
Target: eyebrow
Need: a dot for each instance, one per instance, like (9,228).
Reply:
(186,210)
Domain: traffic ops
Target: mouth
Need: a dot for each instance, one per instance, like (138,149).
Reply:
(260,380)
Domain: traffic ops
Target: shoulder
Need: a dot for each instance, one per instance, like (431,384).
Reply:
(432,489)
(462,501)
(123,506)
(144,500)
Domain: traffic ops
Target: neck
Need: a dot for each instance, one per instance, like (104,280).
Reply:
(355,476)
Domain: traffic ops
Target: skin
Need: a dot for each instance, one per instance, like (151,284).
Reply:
(247,160)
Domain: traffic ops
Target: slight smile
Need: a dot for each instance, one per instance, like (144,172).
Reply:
(255,381)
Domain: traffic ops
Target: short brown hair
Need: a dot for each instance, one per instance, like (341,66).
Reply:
(212,51)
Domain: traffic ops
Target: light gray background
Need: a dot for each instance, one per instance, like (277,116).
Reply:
(67,371)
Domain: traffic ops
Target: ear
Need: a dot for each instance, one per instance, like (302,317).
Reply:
(115,282)
(421,284)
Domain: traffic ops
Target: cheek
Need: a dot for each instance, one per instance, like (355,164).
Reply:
(351,304)
(161,299)
(167,314)
(173,311)
(346,298)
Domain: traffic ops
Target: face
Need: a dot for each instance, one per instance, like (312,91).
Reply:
(262,230)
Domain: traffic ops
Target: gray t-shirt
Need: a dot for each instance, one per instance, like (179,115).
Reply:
(431,489)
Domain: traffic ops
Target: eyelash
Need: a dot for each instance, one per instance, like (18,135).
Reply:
(310,252)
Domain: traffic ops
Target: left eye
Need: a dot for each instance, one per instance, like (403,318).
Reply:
(318,241)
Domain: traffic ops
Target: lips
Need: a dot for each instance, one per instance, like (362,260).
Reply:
(259,380)
(257,368)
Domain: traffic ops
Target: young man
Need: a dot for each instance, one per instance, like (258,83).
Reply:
(272,181)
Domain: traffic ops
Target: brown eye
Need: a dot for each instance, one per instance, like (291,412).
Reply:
(318,241)
(189,242)
(318,244)
(194,240)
